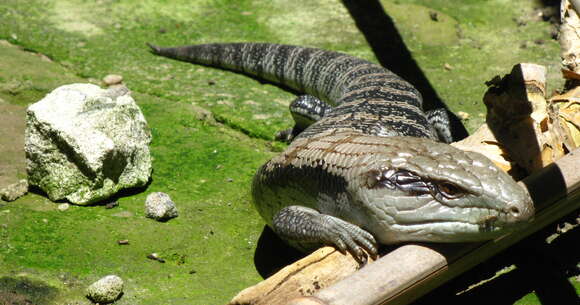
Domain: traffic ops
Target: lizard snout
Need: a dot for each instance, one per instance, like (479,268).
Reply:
(520,210)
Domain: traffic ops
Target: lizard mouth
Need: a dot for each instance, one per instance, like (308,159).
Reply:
(451,224)
(448,231)
(476,215)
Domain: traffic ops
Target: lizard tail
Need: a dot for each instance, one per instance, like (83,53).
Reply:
(154,49)
(303,69)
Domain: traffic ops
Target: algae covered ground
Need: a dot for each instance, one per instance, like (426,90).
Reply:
(211,129)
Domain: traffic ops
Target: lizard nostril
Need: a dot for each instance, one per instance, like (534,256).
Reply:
(514,211)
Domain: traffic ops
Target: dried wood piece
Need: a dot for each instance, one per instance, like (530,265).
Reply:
(533,132)
(320,269)
(570,39)
(518,117)
(565,110)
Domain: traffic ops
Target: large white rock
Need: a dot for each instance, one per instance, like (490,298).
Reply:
(84,143)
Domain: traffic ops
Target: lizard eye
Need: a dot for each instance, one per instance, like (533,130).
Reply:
(450,190)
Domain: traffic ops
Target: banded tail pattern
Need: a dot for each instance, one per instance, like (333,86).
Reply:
(366,97)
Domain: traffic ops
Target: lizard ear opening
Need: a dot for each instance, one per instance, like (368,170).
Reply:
(380,178)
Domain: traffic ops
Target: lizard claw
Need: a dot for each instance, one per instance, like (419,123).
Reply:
(285,135)
(303,224)
(350,238)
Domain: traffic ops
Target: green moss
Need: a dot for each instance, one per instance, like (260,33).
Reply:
(186,158)
(486,44)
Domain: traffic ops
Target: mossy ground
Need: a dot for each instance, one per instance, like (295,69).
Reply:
(205,166)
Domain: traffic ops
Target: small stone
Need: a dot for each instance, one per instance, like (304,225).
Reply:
(123,242)
(105,290)
(463,115)
(111,204)
(155,257)
(203,114)
(112,79)
(63,206)
(434,16)
(14,191)
(159,206)
(447,67)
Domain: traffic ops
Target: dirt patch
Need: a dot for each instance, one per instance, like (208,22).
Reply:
(25,78)
(13,298)
(12,159)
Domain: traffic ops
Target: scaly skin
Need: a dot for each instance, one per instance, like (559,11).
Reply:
(367,168)
(364,180)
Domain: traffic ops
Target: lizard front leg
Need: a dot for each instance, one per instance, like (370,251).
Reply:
(300,224)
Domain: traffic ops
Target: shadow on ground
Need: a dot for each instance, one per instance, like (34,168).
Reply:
(375,24)
(22,291)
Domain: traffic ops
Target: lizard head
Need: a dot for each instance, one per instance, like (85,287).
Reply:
(420,190)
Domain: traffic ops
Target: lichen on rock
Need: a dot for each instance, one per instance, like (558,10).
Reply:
(14,191)
(106,290)
(159,206)
(85,144)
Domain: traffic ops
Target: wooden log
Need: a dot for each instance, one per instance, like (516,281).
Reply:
(524,132)
(569,39)
(517,115)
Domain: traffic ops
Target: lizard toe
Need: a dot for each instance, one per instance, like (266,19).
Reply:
(347,237)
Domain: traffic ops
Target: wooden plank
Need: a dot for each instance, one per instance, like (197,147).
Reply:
(412,270)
